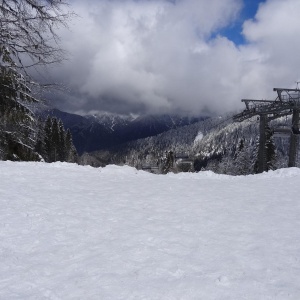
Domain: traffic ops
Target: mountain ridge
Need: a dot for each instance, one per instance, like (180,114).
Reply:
(104,131)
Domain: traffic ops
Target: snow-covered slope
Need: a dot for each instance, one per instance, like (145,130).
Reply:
(73,232)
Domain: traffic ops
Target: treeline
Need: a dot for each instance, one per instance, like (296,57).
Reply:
(43,141)
(216,144)
(54,143)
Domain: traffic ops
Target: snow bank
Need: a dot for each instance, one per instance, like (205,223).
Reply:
(74,232)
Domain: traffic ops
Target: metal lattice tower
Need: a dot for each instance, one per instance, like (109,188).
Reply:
(286,103)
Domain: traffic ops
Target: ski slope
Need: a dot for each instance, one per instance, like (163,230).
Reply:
(77,232)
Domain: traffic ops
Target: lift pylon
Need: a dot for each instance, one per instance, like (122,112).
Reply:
(286,103)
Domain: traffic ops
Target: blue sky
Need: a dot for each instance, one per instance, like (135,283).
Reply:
(234,31)
(153,56)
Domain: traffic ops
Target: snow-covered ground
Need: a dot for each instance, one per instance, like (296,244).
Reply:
(74,232)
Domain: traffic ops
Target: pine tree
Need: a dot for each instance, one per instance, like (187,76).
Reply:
(48,140)
(40,144)
(55,140)
(226,166)
(16,119)
(27,34)
(255,158)
(168,162)
(270,149)
(62,151)
(243,165)
(270,152)
(55,143)
(71,153)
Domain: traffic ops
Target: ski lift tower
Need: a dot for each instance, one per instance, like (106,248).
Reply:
(287,102)
(292,96)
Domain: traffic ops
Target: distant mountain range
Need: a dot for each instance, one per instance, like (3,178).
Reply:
(215,143)
(104,131)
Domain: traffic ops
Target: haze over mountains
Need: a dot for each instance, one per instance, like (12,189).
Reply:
(100,132)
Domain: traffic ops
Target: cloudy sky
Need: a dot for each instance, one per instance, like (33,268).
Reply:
(183,56)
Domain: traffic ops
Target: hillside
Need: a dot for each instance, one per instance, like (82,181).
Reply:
(74,232)
(104,131)
(216,144)
(152,149)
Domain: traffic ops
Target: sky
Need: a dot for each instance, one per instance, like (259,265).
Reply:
(176,56)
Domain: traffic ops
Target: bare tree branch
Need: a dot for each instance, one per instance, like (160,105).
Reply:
(28,31)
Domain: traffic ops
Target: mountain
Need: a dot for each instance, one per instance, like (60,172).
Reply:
(216,144)
(104,131)
(150,150)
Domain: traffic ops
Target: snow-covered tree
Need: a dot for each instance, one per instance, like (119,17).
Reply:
(243,160)
(27,39)
(70,151)
(168,162)
(16,118)
(271,149)
(56,144)
(270,152)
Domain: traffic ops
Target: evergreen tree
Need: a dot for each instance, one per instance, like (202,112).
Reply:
(56,144)
(269,150)
(62,151)
(168,162)
(48,140)
(255,162)
(27,34)
(226,166)
(71,153)
(55,140)
(40,145)
(242,162)
(16,119)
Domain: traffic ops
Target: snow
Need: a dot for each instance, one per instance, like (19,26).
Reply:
(77,232)
(198,138)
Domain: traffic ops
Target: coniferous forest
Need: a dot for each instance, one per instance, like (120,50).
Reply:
(216,143)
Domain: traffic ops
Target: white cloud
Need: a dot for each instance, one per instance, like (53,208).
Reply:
(274,33)
(154,56)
